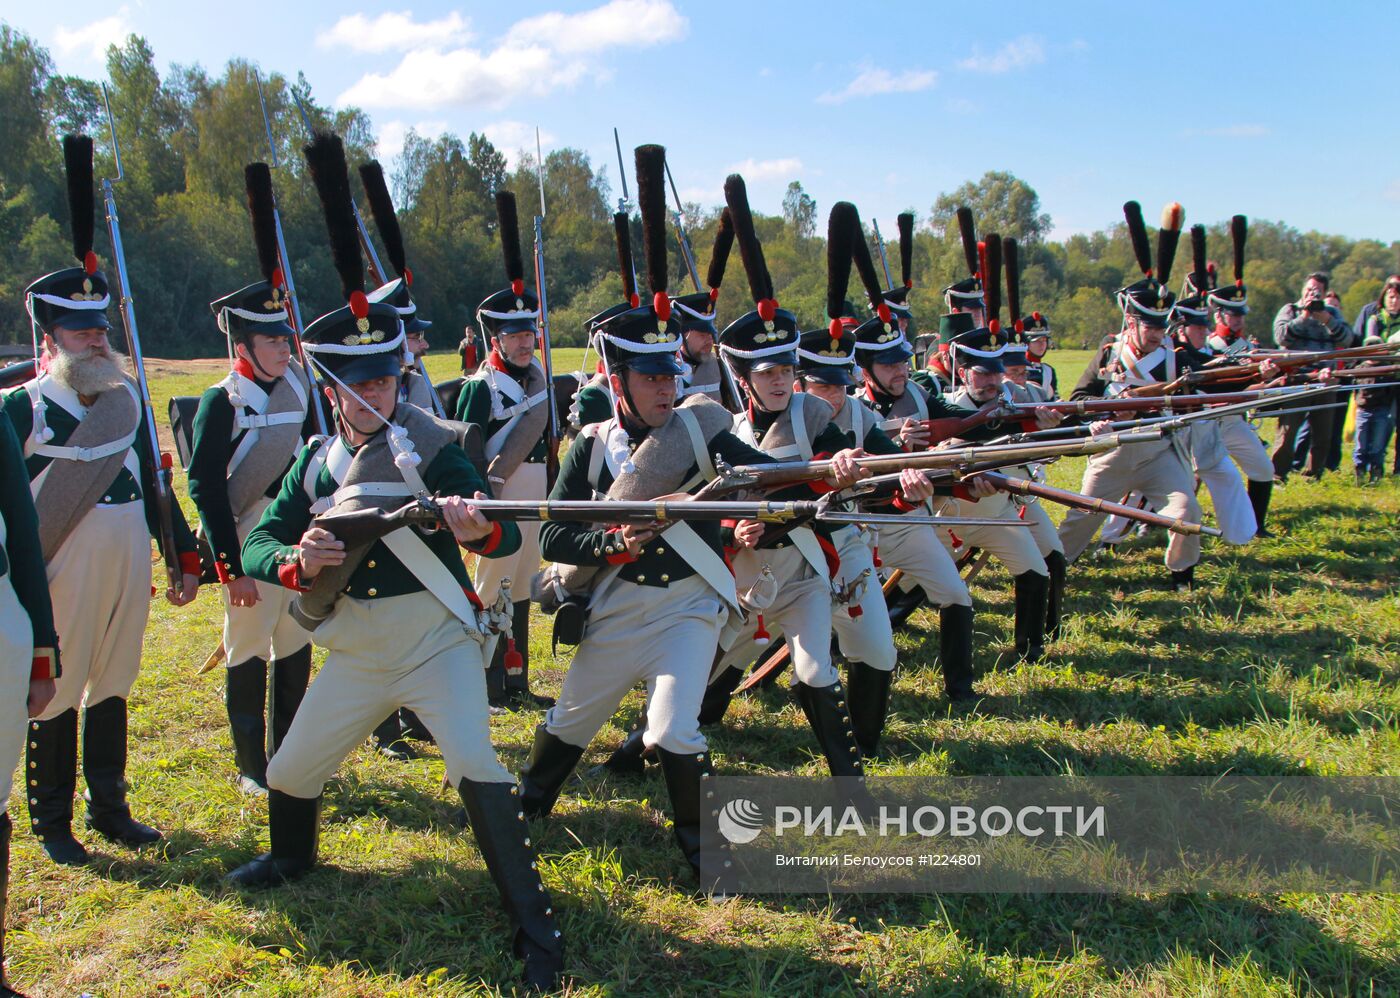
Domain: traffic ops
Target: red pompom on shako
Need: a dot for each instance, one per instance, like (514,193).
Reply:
(518,286)
(359,305)
(90,262)
(767,309)
(408,278)
(661,302)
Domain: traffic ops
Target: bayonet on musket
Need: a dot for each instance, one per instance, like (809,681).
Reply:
(884,259)
(551,456)
(161,462)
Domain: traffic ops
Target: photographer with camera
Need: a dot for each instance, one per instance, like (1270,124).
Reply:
(1308,324)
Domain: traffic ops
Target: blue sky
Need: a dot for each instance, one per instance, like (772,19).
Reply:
(1273,110)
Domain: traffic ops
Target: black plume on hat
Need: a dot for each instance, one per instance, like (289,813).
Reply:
(719,258)
(736,196)
(865,267)
(969,239)
(508,222)
(622,234)
(905,221)
(257,180)
(841,227)
(992,281)
(77,164)
(1010,253)
(1239,231)
(1137,232)
(325,157)
(381,206)
(1167,238)
(1199,264)
(651,200)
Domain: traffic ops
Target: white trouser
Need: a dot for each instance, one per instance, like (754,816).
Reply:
(917,552)
(528,482)
(16,656)
(1014,547)
(1042,530)
(264,630)
(1246,448)
(100,581)
(801,613)
(1156,468)
(665,638)
(865,637)
(1234,514)
(1117,526)
(400,651)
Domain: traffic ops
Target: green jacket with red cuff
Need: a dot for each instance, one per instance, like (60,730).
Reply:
(21,557)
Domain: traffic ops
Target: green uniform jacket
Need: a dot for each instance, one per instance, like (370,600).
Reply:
(586,544)
(270,552)
(213,444)
(21,557)
(474,407)
(594,405)
(124,487)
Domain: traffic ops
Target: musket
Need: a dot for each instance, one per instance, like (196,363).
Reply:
(1166,403)
(366,525)
(1367,372)
(1076,500)
(1240,372)
(624,203)
(1167,422)
(551,456)
(784,473)
(293,303)
(16,374)
(161,462)
(884,259)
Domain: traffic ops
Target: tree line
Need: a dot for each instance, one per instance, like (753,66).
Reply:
(185,137)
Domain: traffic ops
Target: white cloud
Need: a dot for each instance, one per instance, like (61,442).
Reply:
(1392,191)
(389,142)
(620,23)
(393,32)
(711,195)
(961,105)
(515,137)
(536,56)
(1026,50)
(91,40)
(766,169)
(872,82)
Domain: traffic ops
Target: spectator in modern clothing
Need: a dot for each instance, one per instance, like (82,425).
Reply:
(1383,321)
(1308,324)
(1375,421)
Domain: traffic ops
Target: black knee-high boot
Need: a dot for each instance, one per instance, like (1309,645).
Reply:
(104,769)
(499,823)
(869,699)
(719,694)
(51,779)
(1032,598)
(294,826)
(389,739)
(955,650)
(902,604)
(687,774)
(825,707)
(290,677)
(1055,600)
(245,696)
(551,761)
(1259,495)
(629,758)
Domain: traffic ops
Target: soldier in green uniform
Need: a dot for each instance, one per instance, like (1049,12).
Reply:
(508,399)
(93,479)
(246,430)
(28,645)
(397,616)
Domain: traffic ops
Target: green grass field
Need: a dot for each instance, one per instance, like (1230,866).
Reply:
(1284,660)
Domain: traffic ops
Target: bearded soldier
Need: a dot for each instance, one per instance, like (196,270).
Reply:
(396,615)
(509,400)
(1160,470)
(93,480)
(28,644)
(655,601)
(246,429)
